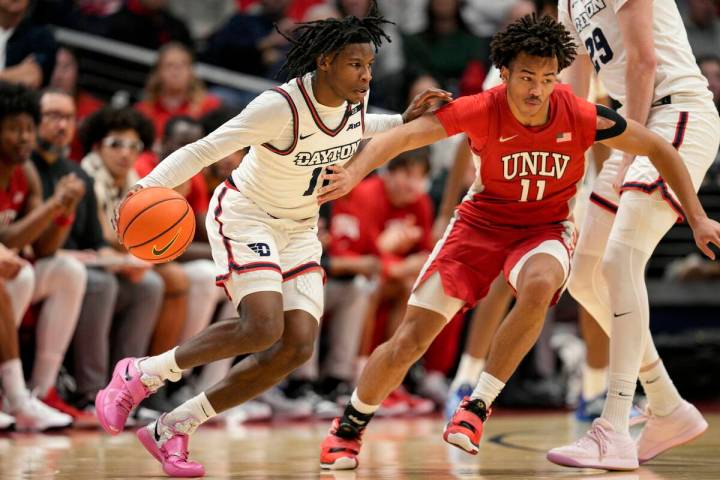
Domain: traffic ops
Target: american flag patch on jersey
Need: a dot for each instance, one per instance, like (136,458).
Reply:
(564,137)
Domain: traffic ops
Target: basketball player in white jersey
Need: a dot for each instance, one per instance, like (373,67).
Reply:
(641,53)
(262,226)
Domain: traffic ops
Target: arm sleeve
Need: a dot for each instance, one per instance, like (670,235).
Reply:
(618,127)
(465,114)
(564,18)
(375,123)
(263,120)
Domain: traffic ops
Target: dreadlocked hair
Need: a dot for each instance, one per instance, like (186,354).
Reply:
(536,36)
(309,40)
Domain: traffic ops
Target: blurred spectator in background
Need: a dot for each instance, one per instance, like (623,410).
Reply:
(114,138)
(39,227)
(248,42)
(149,24)
(122,299)
(65,78)
(173,88)
(204,17)
(27,412)
(447,49)
(703,26)
(390,216)
(710,68)
(27,51)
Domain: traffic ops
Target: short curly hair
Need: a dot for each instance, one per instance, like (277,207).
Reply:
(16,99)
(537,36)
(110,119)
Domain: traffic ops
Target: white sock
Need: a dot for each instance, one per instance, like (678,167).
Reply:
(163,366)
(468,371)
(45,372)
(487,389)
(13,383)
(594,381)
(187,417)
(621,390)
(662,395)
(361,406)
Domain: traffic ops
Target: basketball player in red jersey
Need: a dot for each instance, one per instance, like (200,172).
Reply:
(531,135)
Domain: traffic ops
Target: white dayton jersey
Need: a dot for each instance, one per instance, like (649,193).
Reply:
(292,139)
(283,175)
(595,29)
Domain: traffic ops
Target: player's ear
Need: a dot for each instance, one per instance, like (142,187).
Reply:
(504,74)
(323,62)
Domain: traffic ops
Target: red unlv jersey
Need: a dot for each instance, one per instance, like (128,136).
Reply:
(525,175)
(13,197)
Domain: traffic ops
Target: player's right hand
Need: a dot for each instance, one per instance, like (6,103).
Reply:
(706,231)
(114,221)
(341,182)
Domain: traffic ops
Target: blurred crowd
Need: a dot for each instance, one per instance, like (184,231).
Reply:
(67,158)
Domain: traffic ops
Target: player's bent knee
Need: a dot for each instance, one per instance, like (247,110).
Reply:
(409,344)
(538,290)
(266,327)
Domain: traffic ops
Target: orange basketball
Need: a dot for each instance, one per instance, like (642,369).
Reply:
(156,224)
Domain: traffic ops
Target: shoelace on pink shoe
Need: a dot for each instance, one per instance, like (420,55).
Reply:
(124,401)
(598,434)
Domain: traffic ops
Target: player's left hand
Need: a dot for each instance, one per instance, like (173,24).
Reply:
(339,183)
(706,231)
(423,102)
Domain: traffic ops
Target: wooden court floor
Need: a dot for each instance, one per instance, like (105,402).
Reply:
(513,448)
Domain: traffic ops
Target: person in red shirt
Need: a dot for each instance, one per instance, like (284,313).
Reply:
(388,216)
(531,135)
(173,89)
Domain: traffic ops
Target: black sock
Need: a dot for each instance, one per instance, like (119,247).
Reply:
(352,422)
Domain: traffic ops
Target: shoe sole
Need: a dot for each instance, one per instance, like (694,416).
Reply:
(565,461)
(342,463)
(685,437)
(462,442)
(100,404)
(147,441)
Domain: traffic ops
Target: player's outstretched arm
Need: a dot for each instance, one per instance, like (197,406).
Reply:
(383,147)
(638,140)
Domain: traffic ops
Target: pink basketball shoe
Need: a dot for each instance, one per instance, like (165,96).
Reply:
(127,388)
(169,446)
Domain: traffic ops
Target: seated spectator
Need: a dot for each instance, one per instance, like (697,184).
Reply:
(28,50)
(39,227)
(203,18)
(65,78)
(446,48)
(710,68)
(27,411)
(196,261)
(703,26)
(114,138)
(249,43)
(122,300)
(147,23)
(390,216)
(173,89)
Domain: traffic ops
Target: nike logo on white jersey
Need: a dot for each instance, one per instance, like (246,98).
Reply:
(505,139)
(303,137)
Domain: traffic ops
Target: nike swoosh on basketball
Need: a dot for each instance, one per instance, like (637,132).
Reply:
(157,252)
(303,137)
(505,139)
